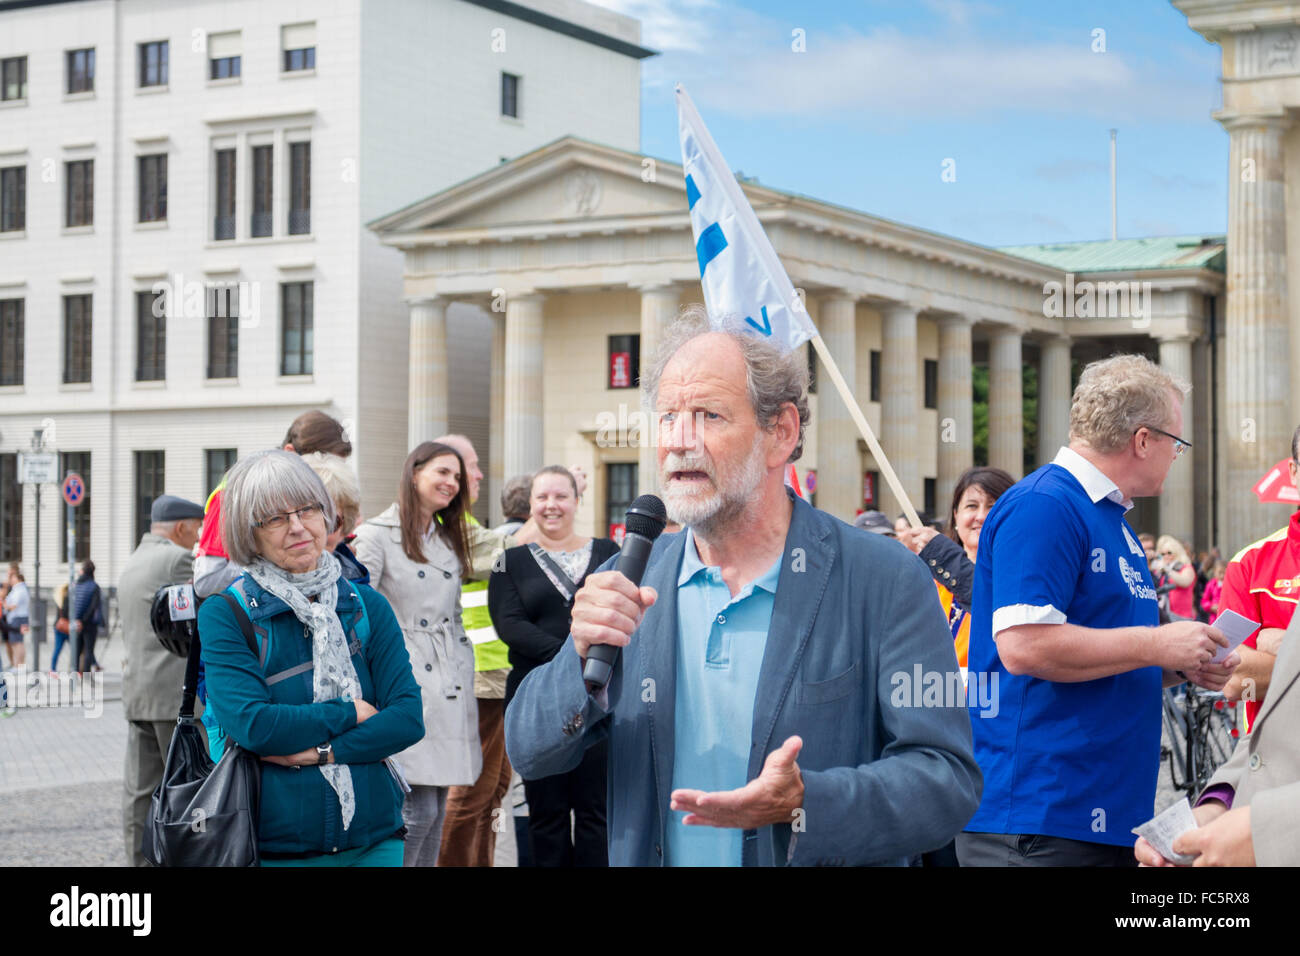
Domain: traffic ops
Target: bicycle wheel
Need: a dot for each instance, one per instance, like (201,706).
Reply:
(1174,746)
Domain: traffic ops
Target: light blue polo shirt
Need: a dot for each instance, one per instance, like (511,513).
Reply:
(720,644)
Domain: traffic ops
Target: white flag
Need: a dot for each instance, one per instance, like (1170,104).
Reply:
(739,269)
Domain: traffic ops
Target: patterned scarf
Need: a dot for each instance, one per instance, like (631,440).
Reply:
(333,675)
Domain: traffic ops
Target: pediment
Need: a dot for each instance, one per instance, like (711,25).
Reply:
(570,180)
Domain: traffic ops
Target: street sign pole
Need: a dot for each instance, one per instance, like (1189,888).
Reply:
(74,491)
(37,468)
(37,619)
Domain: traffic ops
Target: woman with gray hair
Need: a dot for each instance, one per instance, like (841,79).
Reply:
(311,674)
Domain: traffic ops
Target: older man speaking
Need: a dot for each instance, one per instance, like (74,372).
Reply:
(753,714)
(1065,620)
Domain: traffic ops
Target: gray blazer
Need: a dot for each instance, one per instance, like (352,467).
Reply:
(1264,770)
(152,676)
(855,616)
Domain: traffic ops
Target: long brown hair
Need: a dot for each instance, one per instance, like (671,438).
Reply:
(994,482)
(450,520)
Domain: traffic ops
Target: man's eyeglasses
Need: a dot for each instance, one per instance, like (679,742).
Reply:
(281,521)
(1180,444)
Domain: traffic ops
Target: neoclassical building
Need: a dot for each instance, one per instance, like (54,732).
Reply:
(571,259)
(1261,87)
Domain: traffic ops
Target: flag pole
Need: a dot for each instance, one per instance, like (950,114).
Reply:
(886,469)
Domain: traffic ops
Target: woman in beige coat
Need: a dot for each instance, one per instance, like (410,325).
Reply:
(416,552)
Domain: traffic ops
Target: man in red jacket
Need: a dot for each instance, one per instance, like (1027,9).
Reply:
(1263,583)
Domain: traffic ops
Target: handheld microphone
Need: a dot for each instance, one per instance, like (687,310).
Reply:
(645,522)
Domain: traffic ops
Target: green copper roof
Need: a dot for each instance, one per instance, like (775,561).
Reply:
(1128,255)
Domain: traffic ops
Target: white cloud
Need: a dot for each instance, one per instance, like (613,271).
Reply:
(733,59)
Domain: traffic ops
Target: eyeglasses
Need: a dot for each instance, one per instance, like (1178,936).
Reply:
(281,521)
(1180,444)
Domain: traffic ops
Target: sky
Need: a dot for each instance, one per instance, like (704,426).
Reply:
(1013,98)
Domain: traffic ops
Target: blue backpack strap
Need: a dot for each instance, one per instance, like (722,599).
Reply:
(360,627)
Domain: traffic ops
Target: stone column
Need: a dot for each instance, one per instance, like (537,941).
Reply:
(426,391)
(900,400)
(658,306)
(1006,410)
(956,428)
(1177,501)
(1257,423)
(522,413)
(496,473)
(1054,394)
(839,464)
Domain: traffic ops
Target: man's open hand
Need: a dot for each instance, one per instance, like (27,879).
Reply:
(772,797)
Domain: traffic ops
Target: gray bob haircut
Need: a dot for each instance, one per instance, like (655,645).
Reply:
(772,377)
(263,484)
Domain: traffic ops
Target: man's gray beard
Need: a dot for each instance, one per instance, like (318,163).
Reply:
(708,514)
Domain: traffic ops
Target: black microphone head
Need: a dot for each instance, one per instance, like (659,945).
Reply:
(646,516)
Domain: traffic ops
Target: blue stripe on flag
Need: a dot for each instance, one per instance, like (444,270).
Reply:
(710,243)
(692,193)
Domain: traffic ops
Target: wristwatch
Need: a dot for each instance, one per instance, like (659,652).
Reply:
(323,752)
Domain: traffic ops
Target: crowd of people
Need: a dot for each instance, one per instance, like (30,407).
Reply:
(394,672)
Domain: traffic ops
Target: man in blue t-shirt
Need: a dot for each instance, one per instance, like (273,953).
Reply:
(1064,630)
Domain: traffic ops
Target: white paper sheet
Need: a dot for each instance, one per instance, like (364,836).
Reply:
(1162,829)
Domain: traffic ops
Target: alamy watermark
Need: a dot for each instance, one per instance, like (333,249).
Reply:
(977,690)
(177,298)
(38,689)
(1098,300)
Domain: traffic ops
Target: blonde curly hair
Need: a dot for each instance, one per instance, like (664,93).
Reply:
(1117,396)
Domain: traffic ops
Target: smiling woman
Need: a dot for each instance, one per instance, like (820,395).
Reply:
(417,552)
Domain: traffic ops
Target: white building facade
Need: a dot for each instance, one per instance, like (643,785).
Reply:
(223,158)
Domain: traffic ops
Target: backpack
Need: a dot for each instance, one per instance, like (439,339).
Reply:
(357,632)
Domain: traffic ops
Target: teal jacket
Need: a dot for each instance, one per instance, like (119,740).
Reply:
(266,706)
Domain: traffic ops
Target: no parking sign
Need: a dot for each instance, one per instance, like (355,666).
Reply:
(74,489)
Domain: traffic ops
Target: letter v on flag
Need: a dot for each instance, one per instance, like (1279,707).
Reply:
(739,270)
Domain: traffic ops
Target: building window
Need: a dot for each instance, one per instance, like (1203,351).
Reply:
(81,70)
(78,461)
(931,492)
(153,63)
(223,56)
(13,199)
(624,361)
(11,510)
(875,376)
(80,198)
(150,336)
(11,342)
(262,176)
(931,383)
(620,492)
(298,41)
(871,490)
(223,331)
(223,226)
(153,187)
(150,478)
(216,462)
(296,328)
(13,78)
(76,338)
(299,189)
(509,95)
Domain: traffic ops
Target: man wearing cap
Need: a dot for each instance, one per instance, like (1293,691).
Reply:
(152,676)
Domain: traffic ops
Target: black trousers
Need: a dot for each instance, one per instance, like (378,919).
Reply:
(86,652)
(582,791)
(1029,849)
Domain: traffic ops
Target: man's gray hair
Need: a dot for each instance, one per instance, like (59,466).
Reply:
(263,484)
(772,377)
(1117,396)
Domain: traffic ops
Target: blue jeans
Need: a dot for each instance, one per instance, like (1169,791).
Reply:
(59,640)
(384,853)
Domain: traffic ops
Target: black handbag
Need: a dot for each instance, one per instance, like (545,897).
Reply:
(205,814)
